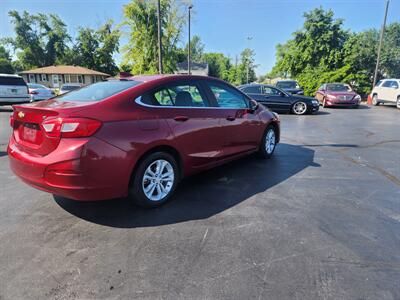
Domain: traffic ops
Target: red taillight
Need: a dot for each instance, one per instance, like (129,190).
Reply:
(70,127)
(33,92)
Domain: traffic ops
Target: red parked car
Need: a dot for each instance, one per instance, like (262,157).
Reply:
(136,136)
(337,94)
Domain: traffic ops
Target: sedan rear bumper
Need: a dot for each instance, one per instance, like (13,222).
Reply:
(76,173)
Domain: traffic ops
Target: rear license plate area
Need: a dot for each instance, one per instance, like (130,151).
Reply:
(30,132)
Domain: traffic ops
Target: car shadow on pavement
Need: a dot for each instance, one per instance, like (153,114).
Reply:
(203,195)
(3,153)
(321,112)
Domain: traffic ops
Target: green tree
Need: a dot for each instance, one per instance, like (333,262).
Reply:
(94,49)
(141,52)
(5,61)
(196,49)
(390,62)
(218,65)
(317,45)
(244,71)
(40,39)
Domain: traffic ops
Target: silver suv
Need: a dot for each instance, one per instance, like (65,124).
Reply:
(386,91)
(13,89)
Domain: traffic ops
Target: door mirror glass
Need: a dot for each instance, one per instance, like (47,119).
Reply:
(253,105)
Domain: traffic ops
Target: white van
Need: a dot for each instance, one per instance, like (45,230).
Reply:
(13,89)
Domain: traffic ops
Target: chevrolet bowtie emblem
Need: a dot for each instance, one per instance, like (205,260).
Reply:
(21,114)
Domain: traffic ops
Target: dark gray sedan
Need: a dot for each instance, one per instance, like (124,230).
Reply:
(280,101)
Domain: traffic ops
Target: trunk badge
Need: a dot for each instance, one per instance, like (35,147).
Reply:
(21,114)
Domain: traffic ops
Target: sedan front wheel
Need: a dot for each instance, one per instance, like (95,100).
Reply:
(268,142)
(299,108)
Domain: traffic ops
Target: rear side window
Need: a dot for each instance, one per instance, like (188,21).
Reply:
(227,97)
(98,91)
(183,95)
(11,81)
(256,89)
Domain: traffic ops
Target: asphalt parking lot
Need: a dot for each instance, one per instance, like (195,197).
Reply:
(321,220)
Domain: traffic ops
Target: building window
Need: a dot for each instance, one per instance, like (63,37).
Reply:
(43,77)
(32,78)
(67,78)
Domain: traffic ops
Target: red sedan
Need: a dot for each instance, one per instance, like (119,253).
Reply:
(136,137)
(337,94)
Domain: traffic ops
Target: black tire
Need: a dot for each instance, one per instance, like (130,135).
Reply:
(356,106)
(375,100)
(398,102)
(263,151)
(299,108)
(136,189)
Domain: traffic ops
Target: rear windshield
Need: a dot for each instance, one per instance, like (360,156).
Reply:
(70,87)
(98,91)
(287,85)
(337,87)
(11,81)
(36,86)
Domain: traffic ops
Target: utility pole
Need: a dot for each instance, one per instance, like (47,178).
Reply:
(380,44)
(160,66)
(189,9)
(249,38)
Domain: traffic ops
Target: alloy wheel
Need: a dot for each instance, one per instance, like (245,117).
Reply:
(375,100)
(158,180)
(270,141)
(299,108)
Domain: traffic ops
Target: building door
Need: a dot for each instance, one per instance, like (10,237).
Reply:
(32,78)
(54,81)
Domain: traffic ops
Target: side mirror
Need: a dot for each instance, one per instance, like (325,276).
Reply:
(282,94)
(253,105)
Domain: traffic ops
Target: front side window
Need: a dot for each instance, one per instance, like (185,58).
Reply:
(271,91)
(182,95)
(387,83)
(227,97)
(98,91)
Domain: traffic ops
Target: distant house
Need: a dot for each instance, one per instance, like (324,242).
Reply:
(55,76)
(195,68)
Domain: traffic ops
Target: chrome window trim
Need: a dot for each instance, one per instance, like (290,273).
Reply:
(138,101)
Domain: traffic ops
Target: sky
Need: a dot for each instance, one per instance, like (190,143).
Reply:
(223,25)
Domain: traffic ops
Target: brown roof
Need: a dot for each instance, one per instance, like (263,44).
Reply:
(64,70)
